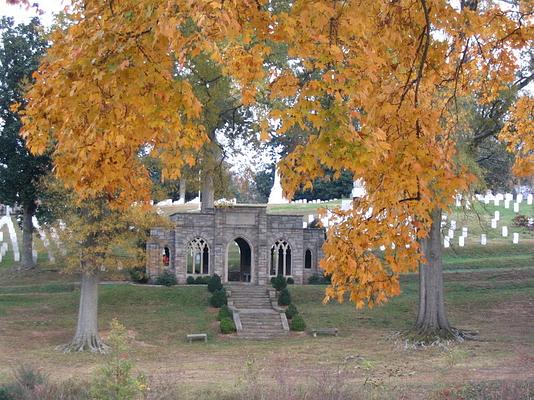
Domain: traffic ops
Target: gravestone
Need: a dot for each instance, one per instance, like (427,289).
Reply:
(483,239)
(515,239)
(504,231)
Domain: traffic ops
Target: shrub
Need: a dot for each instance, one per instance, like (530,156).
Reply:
(317,279)
(291,311)
(219,298)
(138,274)
(227,325)
(290,281)
(214,283)
(279,282)
(297,324)
(115,380)
(224,312)
(190,280)
(4,394)
(202,280)
(284,298)
(167,278)
(31,384)
(522,221)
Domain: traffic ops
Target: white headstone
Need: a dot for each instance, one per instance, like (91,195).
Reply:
(497,215)
(507,203)
(446,242)
(458,200)
(516,207)
(382,248)
(515,239)
(504,231)
(529,199)
(509,196)
(358,188)
(311,218)
(464,231)
(461,241)
(486,199)
(494,223)
(483,239)
(496,201)
(519,198)
(453,224)
(1,236)
(16,257)
(304,224)
(451,233)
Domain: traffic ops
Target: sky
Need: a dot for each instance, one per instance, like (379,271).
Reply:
(22,14)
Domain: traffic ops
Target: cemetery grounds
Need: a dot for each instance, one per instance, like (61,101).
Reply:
(488,289)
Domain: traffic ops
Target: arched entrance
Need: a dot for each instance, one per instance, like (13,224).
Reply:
(239,261)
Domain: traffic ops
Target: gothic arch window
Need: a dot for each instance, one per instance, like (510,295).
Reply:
(280,259)
(198,257)
(308,259)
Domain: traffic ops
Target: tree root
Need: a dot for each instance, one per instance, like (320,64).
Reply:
(420,338)
(91,343)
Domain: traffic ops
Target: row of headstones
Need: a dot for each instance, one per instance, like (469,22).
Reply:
(507,199)
(327,220)
(305,201)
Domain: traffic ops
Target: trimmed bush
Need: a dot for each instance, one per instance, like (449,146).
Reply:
(290,281)
(284,298)
(190,280)
(219,298)
(167,278)
(291,311)
(138,274)
(214,283)
(224,312)
(279,283)
(227,326)
(317,279)
(297,324)
(202,280)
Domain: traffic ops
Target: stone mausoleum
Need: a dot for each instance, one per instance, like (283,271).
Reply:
(240,243)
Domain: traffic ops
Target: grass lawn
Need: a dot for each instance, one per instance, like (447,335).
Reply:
(37,316)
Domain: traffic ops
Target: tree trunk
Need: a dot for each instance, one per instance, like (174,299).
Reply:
(28,212)
(86,337)
(208,192)
(431,319)
(182,189)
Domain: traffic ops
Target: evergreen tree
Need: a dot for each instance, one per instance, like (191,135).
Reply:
(20,171)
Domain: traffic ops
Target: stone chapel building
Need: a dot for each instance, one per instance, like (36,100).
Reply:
(240,243)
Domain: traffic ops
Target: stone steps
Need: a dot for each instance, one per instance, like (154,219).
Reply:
(259,320)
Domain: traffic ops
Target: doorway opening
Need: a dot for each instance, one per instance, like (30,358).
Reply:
(239,256)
